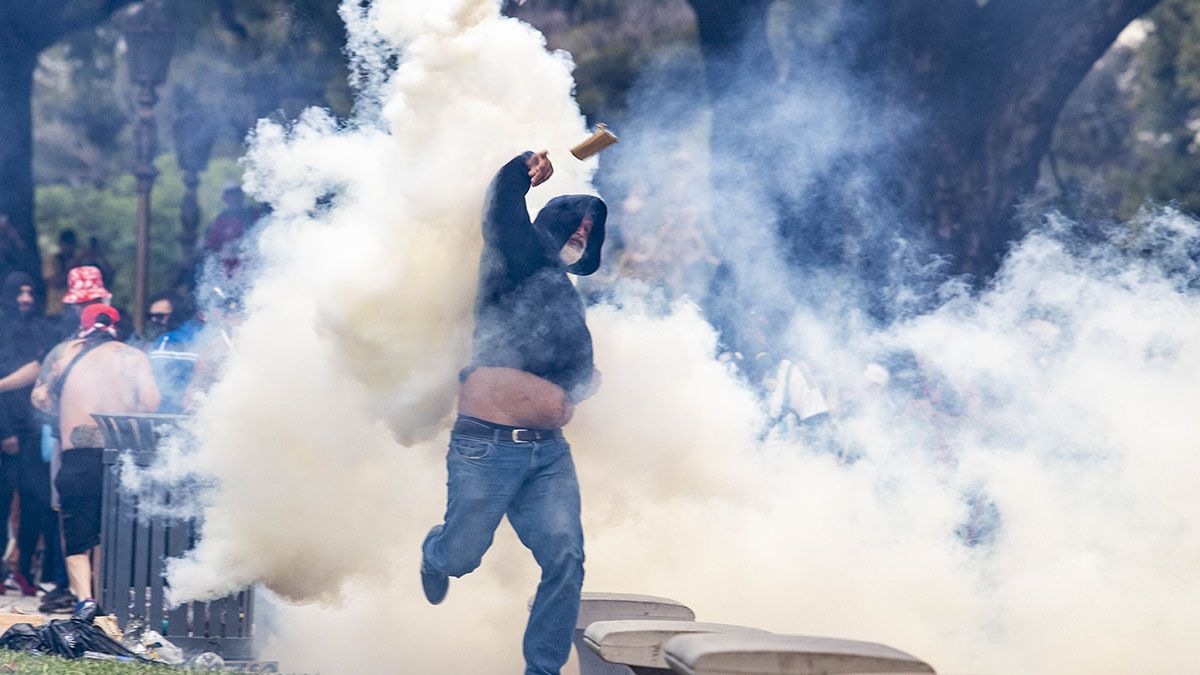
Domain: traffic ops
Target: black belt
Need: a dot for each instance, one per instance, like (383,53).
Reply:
(477,428)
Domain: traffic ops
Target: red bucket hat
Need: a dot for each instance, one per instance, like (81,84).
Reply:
(84,284)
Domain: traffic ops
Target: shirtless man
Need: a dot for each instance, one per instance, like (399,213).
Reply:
(111,378)
(532,363)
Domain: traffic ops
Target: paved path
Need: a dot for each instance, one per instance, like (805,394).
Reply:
(14,603)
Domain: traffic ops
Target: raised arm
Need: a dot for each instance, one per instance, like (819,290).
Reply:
(506,224)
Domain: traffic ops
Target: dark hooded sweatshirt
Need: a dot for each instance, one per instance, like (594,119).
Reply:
(528,315)
(23,338)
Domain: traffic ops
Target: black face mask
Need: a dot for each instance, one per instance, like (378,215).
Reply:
(152,330)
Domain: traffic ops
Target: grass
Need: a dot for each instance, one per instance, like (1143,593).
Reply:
(28,664)
(21,663)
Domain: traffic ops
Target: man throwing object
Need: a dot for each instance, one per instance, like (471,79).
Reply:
(531,364)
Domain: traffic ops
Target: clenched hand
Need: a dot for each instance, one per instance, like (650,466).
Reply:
(540,168)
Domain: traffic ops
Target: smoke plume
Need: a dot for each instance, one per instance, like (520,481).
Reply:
(1017,498)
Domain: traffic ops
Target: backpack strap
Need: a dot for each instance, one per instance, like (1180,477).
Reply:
(57,389)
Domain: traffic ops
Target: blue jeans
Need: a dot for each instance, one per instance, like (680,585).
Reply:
(533,484)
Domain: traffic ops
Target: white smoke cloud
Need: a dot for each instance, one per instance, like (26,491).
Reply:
(1072,383)
(362,310)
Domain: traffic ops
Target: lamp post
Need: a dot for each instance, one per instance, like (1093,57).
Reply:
(150,38)
(194,137)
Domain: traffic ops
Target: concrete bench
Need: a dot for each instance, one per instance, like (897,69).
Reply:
(595,607)
(751,653)
(639,644)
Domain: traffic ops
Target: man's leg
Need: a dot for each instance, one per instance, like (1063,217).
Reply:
(54,566)
(36,514)
(81,538)
(9,477)
(80,484)
(79,573)
(483,478)
(545,514)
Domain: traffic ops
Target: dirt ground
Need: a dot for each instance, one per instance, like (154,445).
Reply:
(14,603)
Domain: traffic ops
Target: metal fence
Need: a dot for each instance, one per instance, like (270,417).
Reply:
(134,545)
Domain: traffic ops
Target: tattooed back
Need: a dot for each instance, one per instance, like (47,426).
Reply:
(112,378)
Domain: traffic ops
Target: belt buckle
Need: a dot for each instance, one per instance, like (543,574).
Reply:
(514,436)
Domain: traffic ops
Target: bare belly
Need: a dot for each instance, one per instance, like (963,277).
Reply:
(514,398)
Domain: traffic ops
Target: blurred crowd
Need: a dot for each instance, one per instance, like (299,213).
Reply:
(827,407)
(67,352)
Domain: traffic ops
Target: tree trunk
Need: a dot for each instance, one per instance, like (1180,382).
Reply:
(16,151)
(986,83)
(26,28)
(991,112)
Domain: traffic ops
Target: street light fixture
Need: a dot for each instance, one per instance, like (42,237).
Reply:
(151,39)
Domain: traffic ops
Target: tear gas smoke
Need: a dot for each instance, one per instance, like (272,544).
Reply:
(1062,405)
(369,301)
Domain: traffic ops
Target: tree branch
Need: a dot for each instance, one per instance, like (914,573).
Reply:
(84,14)
(228,17)
(1054,54)
(25,24)
(732,39)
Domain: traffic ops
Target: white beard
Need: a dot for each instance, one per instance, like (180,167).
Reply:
(571,254)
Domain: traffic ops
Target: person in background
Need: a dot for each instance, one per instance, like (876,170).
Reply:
(173,347)
(92,256)
(67,243)
(160,316)
(14,303)
(796,407)
(89,373)
(25,337)
(56,268)
(213,344)
(85,286)
(228,228)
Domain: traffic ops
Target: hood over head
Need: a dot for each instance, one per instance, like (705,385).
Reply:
(12,286)
(561,216)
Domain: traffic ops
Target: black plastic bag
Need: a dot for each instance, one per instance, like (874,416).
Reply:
(68,638)
(22,637)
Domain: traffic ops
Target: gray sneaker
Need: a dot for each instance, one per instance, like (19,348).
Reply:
(59,602)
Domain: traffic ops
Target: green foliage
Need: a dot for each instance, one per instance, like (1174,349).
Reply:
(234,62)
(250,59)
(80,115)
(110,214)
(609,40)
(1169,106)
(1129,134)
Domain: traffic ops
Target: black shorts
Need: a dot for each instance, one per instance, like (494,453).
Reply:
(80,484)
